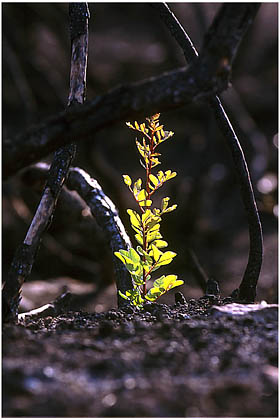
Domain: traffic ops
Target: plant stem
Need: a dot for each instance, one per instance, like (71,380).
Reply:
(149,193)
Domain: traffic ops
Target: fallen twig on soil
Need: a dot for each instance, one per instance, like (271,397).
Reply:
(220,46)
(54,308)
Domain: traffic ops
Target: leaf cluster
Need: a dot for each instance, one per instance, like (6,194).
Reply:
(148,255)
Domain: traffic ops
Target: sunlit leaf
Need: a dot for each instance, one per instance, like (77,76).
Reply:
(160,244)
(171,208)
(134,218)
(164,203)
(139,238)
(154,179)
(146,215)
(155,252)
(127,180)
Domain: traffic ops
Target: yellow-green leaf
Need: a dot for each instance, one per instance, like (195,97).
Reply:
(127,180)
(146,215)
(154,180)
(171,208)
(134,218)
(160,244)
(155,252)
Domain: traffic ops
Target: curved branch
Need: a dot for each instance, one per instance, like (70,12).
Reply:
(106,215)
(219,49)
(207,75)
(102,209)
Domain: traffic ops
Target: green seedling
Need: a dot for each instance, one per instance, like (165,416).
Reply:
(148,255)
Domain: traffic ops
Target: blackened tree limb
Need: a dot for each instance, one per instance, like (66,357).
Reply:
(208,75)
(106,215)
(25,255)
(102,209)
(220,47)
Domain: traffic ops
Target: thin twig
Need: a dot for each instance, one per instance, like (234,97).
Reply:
(54,308)
(26,253)
(220,46)
(198,272)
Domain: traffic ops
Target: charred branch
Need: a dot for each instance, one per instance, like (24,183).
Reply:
(101,207)
(208,75)
(219,50)
(106,215)
(25,255)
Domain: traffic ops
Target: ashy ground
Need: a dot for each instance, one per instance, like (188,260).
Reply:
(185,360)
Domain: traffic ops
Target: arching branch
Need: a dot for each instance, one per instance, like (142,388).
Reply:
(219,50)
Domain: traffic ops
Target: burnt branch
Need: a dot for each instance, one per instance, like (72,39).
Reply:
(101,207)
(219,50)
(26,253)
(208,75)
(106,215)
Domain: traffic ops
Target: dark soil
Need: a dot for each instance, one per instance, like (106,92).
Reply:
(185,360)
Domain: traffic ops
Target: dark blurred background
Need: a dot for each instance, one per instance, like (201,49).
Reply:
(128,42)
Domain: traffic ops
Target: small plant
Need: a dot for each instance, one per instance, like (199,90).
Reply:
(148,257)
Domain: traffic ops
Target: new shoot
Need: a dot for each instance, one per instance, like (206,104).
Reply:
(148,255)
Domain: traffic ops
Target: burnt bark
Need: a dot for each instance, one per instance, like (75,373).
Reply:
(219,50)
(206,76)
(25,255)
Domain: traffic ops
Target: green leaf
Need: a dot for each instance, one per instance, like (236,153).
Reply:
(170,175)
(137,186)
(131,260)
(160,175)
(145,203)
(153,294)
(153,235)
(159,282)
(122,295)
(139,238)
(142,195)
(141,149)
(135,297)
(155,253)
(160,244)
(167,255)
(154,180)
(164,203)
(134,218)
(158,134)
(130,125)
(153,224)
(142,127)
(146,215)
(134,255)
(171,208)
(120,256)
(171,281)
(166,258)
(138,279)
(127,180)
